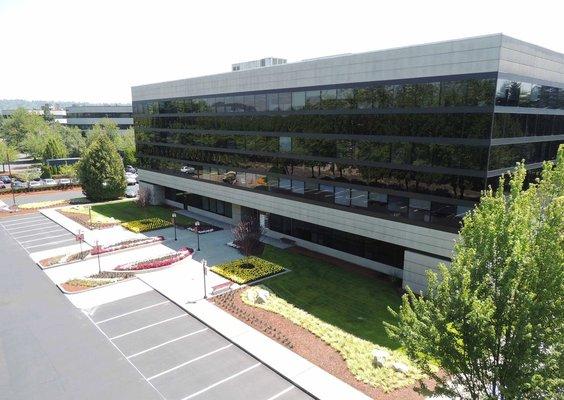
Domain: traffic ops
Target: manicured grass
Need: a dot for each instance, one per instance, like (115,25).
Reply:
(127,211)
(355,303)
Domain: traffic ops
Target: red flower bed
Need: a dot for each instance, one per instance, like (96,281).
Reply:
(126,244)
(157,262)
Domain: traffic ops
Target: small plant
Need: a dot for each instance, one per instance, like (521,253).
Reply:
(247,236)
(157,262)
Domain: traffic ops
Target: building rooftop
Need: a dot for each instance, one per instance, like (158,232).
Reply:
(481,54)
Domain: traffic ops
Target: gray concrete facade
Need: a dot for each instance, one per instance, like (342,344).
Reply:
(481,54)
(415,269)
(411,236)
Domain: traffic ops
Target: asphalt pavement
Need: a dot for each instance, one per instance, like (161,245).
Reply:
(35,197)
(48,348)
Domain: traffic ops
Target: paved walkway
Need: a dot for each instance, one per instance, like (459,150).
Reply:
(184,285)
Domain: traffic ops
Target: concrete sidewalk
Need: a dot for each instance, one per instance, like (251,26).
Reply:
(178,284)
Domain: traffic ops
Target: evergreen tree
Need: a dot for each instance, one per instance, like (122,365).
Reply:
(54,148)
(101,170)
(493,320)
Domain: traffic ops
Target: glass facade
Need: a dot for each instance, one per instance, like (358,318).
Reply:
(416,151)
(526,94)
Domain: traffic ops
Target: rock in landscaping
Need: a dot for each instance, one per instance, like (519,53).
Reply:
(379,357)
(401,367)
(262,296)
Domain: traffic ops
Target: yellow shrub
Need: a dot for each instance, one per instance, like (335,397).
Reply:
(148,224)
(247,269)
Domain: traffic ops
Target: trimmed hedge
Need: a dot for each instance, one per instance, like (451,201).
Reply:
(239,272)
(148,224)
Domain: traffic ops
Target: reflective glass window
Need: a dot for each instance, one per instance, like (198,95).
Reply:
(272,101)
(298,100)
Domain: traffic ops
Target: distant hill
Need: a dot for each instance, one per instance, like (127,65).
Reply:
(11,104)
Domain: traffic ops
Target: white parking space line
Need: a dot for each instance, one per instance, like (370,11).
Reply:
(31,228)
(147,326)
(41,233)
(189,362)
(133,312)
(50,243)
(50,237)
(281,393)
(167,342)
(21,222)
(121,352)
(221,381)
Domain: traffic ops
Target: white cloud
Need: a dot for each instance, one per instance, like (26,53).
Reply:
(87,50)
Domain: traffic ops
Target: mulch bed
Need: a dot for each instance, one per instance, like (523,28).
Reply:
(73,288)
(304,343)
(83,220)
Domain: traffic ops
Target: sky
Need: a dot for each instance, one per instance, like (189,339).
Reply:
(95,50)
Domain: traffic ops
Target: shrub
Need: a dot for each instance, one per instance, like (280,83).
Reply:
(247,269)
(145,225)
(101,170)
(126,244)
(247,236)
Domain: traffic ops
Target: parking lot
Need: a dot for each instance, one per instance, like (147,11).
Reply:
(36,232)
(181,357)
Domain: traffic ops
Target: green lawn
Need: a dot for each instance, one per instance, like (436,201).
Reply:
(353,302)
(127,211)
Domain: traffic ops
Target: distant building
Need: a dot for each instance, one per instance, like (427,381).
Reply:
(263,62)
(85,117)
(58,115)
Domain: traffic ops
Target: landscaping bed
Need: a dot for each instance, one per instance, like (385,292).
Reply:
(154,263)
(145,225)
(203,228)
(305,344)
(94,281)
(248,269)
(126,213)
(58,260)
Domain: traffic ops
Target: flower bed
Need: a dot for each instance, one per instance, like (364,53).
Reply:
(126,244)
(96,280)
(145,225)
(42,204)
(203,228)
(357,353)
(156,262)
(247,269)
(63,259)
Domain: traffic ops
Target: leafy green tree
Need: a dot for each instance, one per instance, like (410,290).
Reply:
(101,170)
(7,153)
(16,129)
(106,126)
(54,148)
(68,170)
(493,320)
(73,139)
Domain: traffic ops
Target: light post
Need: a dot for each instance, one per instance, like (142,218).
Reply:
(98,252)
(79,236)
(174,223)
(205,271)
(197,224)
(90,217)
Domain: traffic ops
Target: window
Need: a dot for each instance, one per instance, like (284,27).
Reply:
(298,100)
(272,101)
(285,144)
(260,102)
(359,198)
(419,210)
(312,99)
(285,101)
(342,196)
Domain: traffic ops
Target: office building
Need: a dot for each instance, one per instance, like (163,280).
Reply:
(85,117)
(372,157)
